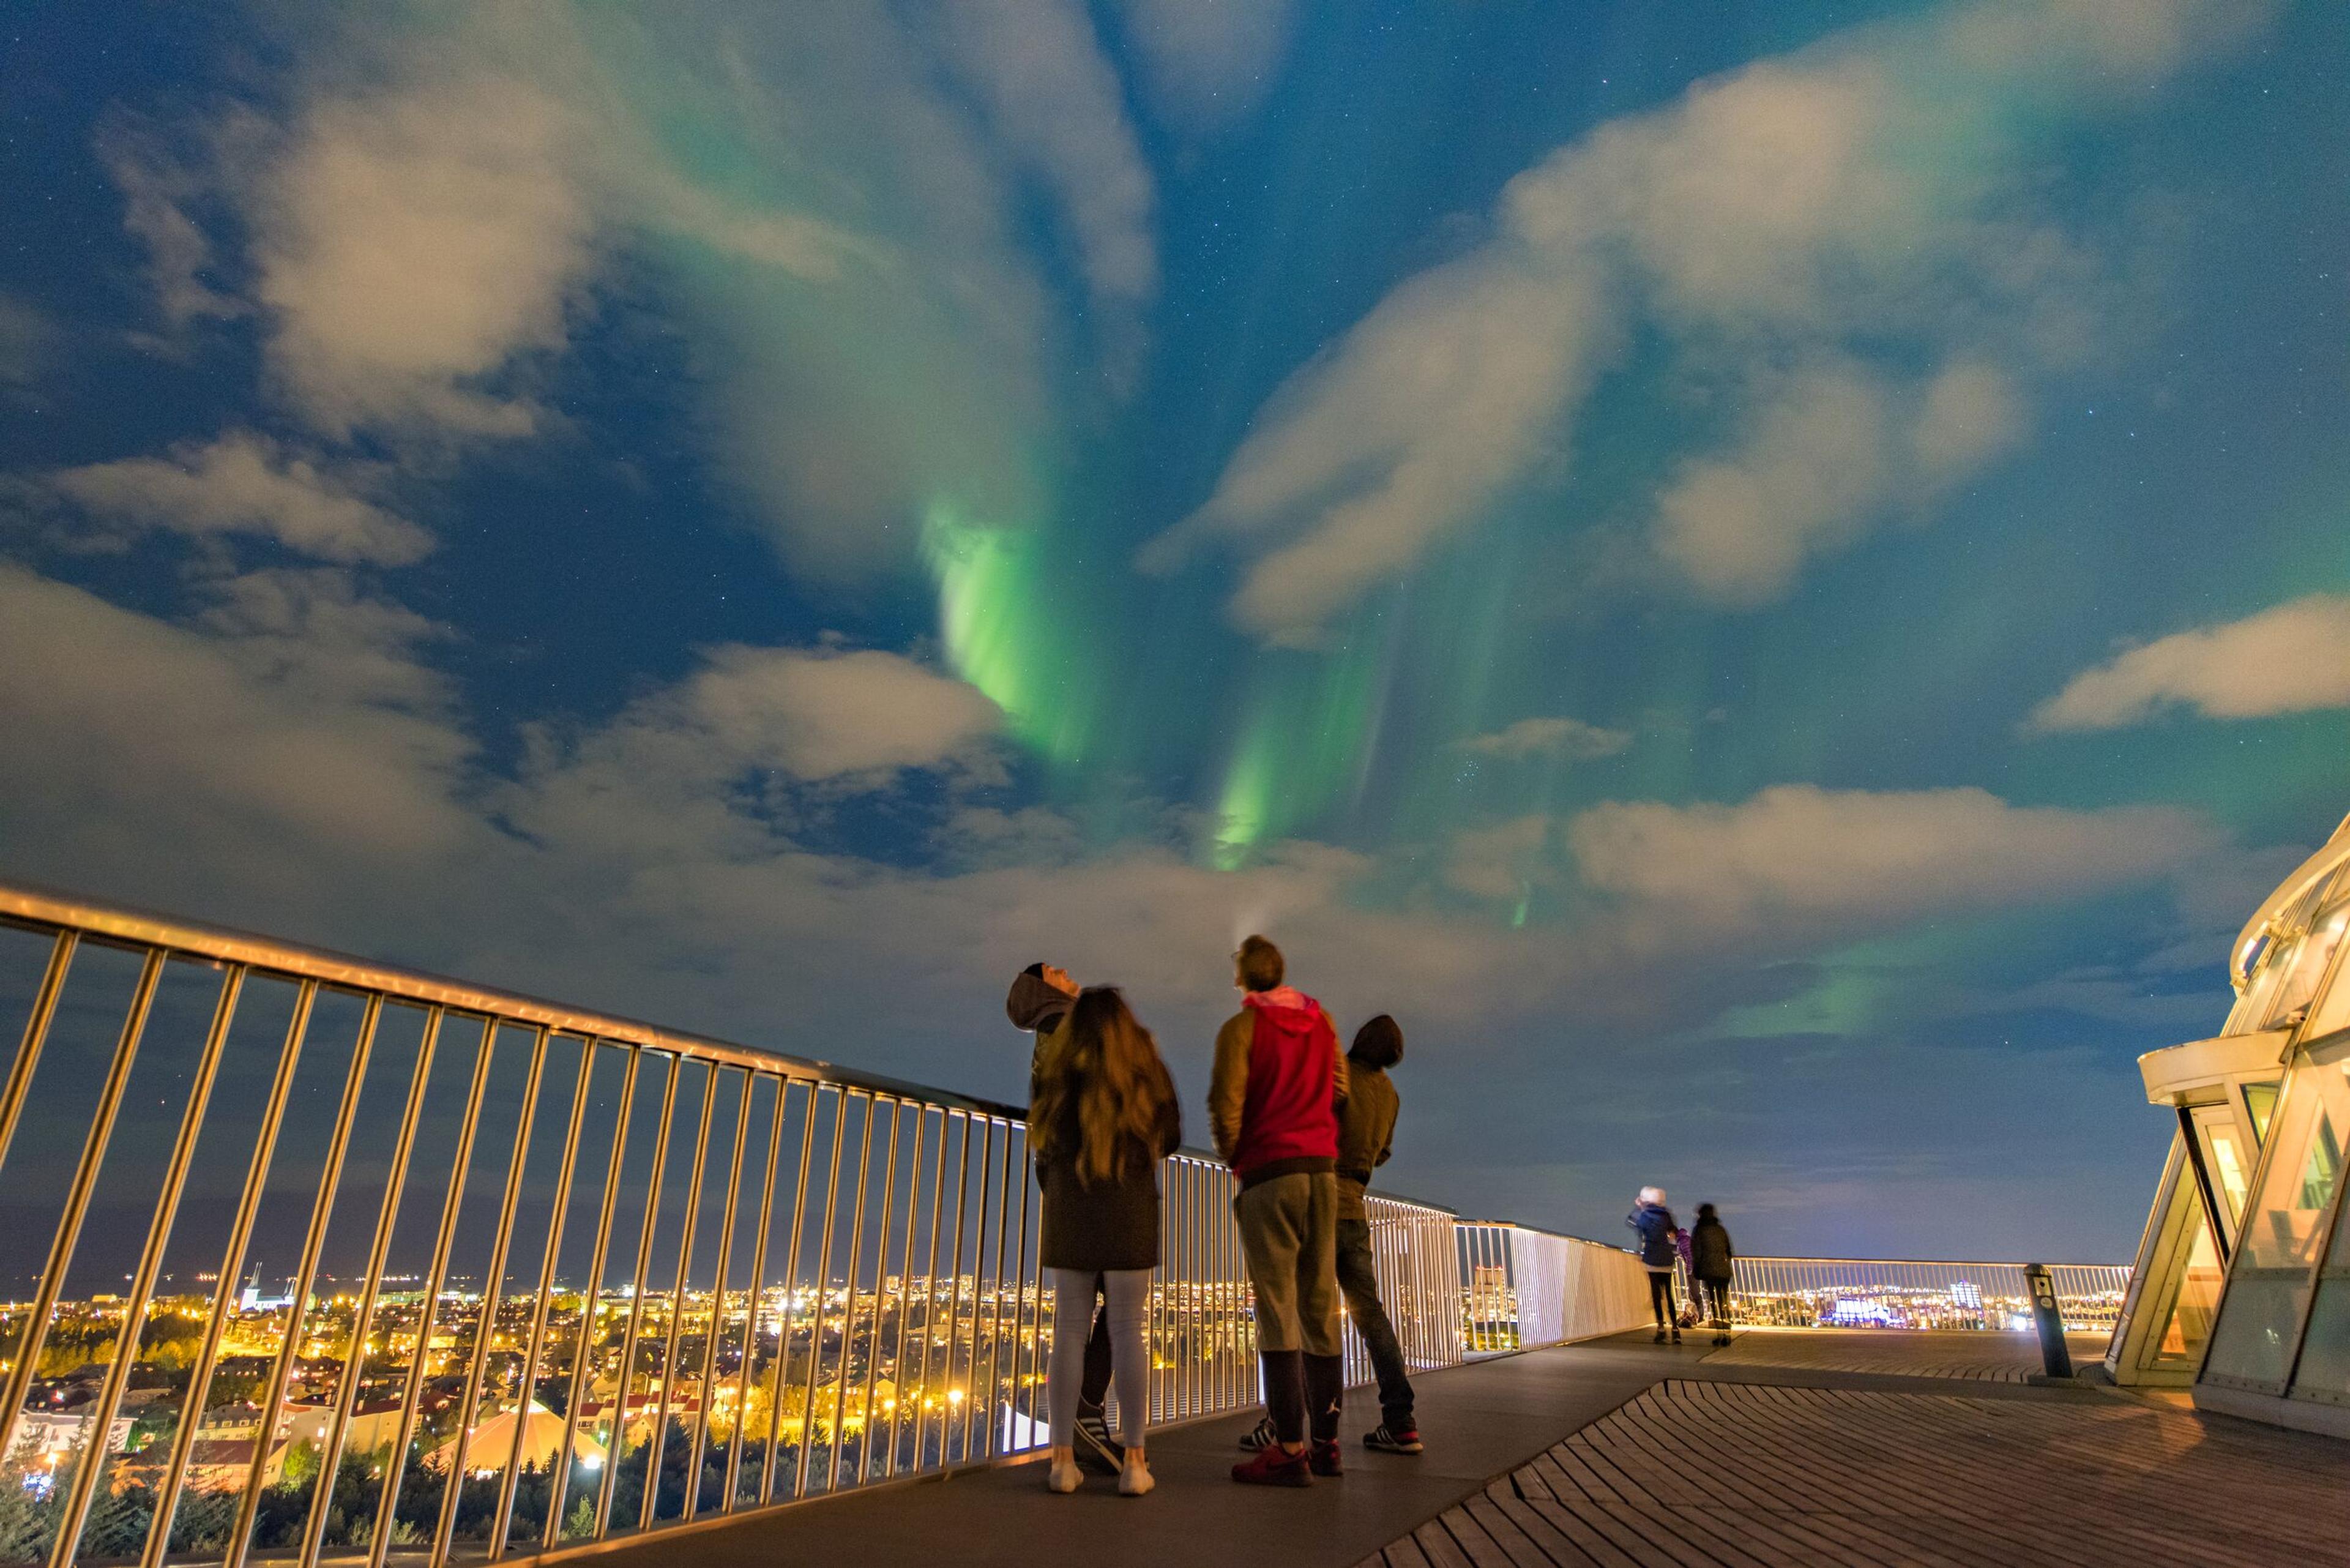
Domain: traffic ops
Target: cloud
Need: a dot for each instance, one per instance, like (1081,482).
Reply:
(1567,739)
(1209,62)
(1500,861)
(156,191)
(1796,855)
(1055,102)
(245,482)
(2293,658)
(27,340)
(1777,216)
(412,243)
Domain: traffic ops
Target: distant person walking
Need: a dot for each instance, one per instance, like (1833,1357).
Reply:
(1039,1001)
(1366,1137)
(1711,1265)
(1654,1222)
(1104,1116)
(1273,1106)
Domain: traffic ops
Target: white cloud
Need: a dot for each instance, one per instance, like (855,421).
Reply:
(1500,861)
(820,716)
(1569,739)
(1209,62)
(1775,216)
(2293,658)
(412,243)
(156,191)
(1055,102)
(1798,855)
(28,339)
(245,482)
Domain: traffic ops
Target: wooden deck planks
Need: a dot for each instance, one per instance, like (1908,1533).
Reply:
(1703,1473)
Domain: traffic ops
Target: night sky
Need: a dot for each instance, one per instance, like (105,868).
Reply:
(1773,580)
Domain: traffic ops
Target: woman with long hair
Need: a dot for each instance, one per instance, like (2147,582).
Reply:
(1102,1120)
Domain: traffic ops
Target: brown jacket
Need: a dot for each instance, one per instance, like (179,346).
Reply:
(1366,1133)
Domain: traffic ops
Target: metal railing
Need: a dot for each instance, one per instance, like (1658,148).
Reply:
(554,1276)
(1524,1288)
(1857,1292)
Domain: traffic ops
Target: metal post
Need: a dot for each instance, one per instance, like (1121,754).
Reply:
(560,1483)
(651,1504)
(37,1033)
(388,1495)
(880,1287)
(613,1451)
(693,1499)
(492,1286)
(77,1197)
(791,1296)
(954,1300)
(906,1280)
(2055,1356)
(849,1302)
(191,1408)
(304,1275)
(822,1269)
(502,1522)
(758,1294)
(330,1452)
(930,1294)
(150,1263)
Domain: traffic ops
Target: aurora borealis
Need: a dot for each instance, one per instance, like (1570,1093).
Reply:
(1769,579)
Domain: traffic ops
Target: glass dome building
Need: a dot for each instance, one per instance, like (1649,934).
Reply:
(2242,1284)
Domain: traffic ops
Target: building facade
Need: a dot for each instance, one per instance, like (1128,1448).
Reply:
(2242,1284)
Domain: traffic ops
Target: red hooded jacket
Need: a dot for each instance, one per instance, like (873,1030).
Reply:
(1278,1076)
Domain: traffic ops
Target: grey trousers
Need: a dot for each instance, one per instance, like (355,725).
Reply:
(1128,1295)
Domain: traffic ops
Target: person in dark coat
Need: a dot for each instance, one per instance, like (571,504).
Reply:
(1039,1001)
(1105,1114)
(1654,1223)
(1710,1260)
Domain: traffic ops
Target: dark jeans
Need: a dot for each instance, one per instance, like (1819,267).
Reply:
(1361,1286)
(1660,1296)
(1716,1301)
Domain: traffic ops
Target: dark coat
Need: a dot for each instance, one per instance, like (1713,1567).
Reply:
(1112,1224)
(1654,1222)
(1709,1253)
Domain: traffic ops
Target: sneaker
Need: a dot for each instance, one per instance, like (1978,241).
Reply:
(1134,1477)
(1660,1336)
(1322,1458)
(1677,1337)
(1096,1449)
(1259,1437)
(1392,1440)
(1273,1466)
(1064,1478)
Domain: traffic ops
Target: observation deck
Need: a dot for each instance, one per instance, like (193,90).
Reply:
(331,1261)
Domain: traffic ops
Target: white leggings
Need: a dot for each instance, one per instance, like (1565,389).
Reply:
(1129,1293)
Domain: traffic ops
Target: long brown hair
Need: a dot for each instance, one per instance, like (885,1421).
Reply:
(1103,1110)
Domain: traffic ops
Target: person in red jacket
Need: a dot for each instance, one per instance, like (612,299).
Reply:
(1273,1105)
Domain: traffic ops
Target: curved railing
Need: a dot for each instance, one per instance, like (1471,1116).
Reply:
(1862,1293)
(536,1276)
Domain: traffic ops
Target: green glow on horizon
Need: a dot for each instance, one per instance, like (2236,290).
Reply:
(997,636)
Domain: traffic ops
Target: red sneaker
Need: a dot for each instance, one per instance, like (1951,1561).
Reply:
(1322,1458)
(1275,1466)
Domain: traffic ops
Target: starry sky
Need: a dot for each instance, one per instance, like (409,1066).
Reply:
(1774,581)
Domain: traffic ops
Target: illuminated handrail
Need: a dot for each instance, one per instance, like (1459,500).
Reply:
(1523,1288)
(884,1313)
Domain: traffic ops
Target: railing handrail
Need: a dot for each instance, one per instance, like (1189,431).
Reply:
(1922,1262)
(30,905)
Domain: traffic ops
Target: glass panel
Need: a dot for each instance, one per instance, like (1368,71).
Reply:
(2260,1104)
(2325,1357)
(2331,1010)
(2188,1322)
(2252,1014)
(2282,1230)
(2305,966)
(2256,1329)
(2229,1163)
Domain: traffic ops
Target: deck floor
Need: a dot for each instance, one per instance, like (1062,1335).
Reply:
(1789,1447)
